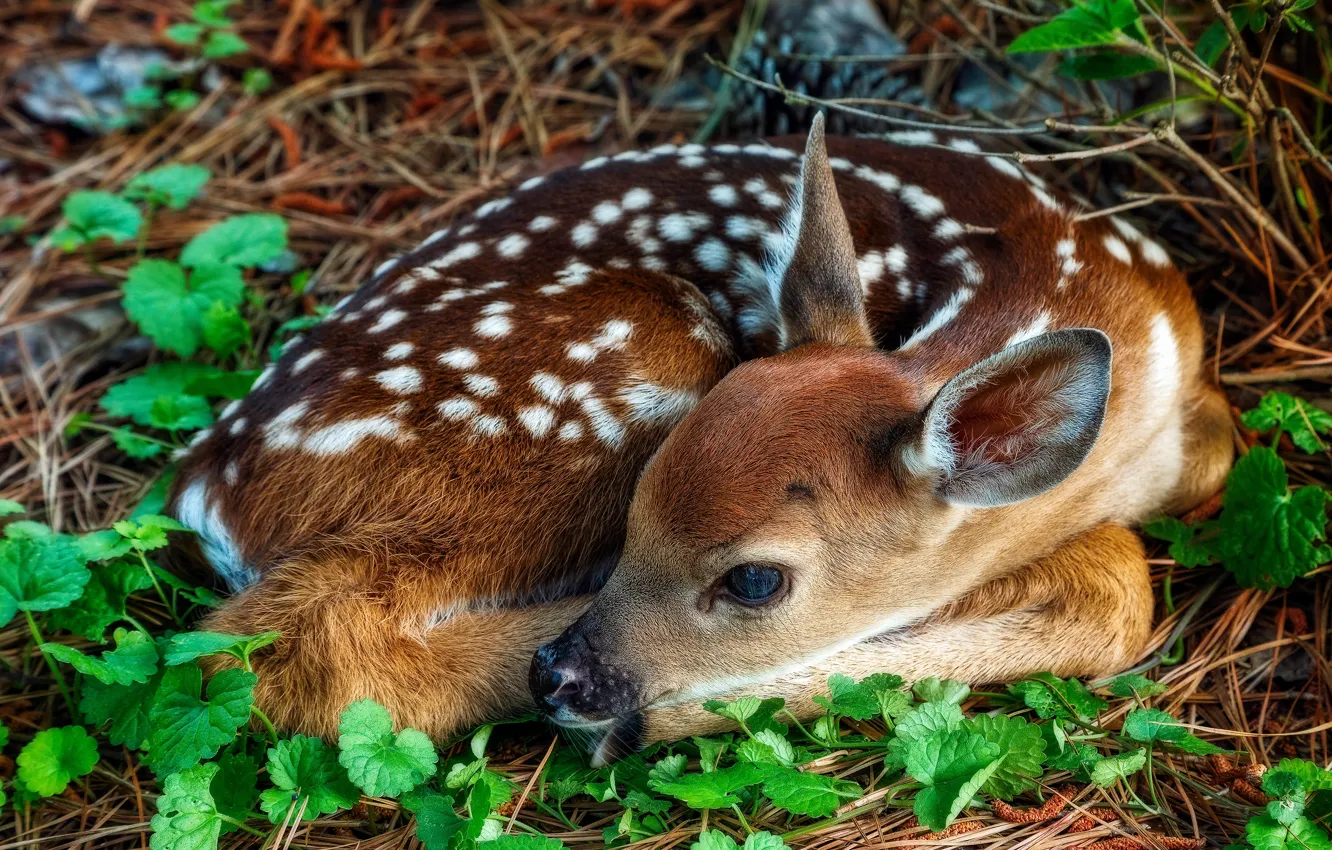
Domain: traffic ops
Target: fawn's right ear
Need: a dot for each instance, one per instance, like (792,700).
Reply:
(815,276)
(1017,423)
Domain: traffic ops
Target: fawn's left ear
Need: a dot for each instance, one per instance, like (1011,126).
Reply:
(818,290)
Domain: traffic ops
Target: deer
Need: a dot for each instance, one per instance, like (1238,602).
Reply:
(700,421)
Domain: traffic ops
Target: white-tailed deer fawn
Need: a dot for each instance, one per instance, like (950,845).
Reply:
(897,422)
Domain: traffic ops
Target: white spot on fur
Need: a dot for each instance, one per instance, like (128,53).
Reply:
(541,224)
(723,196)
(896,259)
(465,251)
(491,207)
(648,402)
(604,423)
(1045,198)
(495,308)
(400,379)
(921,202)
(538,420)
(636,199)
(281,432)
(913,137)
(1118,249)
(303,362)
(1038,326)
(342,437)
(947,228)
(459,358)
(680,227)
(548,387)
(1153,253)
(488,426)
(871,267)
(375,303)
(1004,165)
(571,431)
(399,351)
(941,317)
(493,327)
(531,183)
(965,145)
(745,227)
(482,385)
(595,162)
(512,246)
(434,237)
(237,427)
(584,234)
(386,320)
(607,212)
(582,352)
(713,255)
(457,408)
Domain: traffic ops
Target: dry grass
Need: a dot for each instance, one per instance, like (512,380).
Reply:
(389,120)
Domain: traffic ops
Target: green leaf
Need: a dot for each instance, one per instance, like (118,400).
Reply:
(136,445)
(171,186)
(1050,696)
(1134,684)
(767,747)
(953,766)
(127,708)
(221,44)
(1269,535)
(54,758)
(180,412)
(935,689)
(715,839)
(1107,771)
(170,309)
(810,794)
(524,841)
(222,384)
(213,13)
(436,821)
(715,790)
(147,532)
(1311,776)
(181,99)
(1293,416)
(224,329)
(187,728)
(242,240)
(847,699)
(1107,65)
(187,817)
(187,646)
(9,507)
(381,763)
(1266,833)
(1023,750)
(134,397)
(928,718)
(39,574)
(1148,725)
(143,97)
(133,661)
(306,769)
(1184,547)
(11,224)
(256,81)
(1212,43)
(1287,793)
(184,33)
(235,788)
(101,214)
(1197,746)
(1085,25)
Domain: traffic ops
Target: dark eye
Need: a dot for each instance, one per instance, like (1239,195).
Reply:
(753,584)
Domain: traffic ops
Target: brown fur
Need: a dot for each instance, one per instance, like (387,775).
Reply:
(424,570)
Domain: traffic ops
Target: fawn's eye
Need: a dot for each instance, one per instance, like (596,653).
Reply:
(754,584)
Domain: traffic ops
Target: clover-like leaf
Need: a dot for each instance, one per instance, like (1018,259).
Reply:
(54,758)
(1294,416)
(1107,771)
(170,307)
(1089,24)
(133,661)
(1050,696)
(952,766)
(187,817)
(848,699)
(1023,750)
(235,788)
(715,790)
(306,769)
(1151,724)
(95,215)
(171,186)
(1135,684)
(127,708)
(381,763)
(810,794)
(39,573)
(935,689)
(1267,833)
(135,397)
(187,646)
(1270,535)
(187,728)
(242,240)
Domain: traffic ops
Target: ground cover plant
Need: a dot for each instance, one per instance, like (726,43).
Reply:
(282,152)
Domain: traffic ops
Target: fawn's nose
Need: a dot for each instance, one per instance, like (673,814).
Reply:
(557,677)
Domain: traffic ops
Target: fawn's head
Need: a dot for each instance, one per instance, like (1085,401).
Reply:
(808,502)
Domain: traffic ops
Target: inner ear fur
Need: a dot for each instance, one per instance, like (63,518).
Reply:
(820,296)
(1018,423)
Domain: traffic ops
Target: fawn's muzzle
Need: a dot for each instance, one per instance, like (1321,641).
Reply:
(572,683)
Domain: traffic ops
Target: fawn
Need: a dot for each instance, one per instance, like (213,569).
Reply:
(699,439)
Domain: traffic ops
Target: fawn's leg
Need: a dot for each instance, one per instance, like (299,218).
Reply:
(1209,449)
(356,626)
(1084,610)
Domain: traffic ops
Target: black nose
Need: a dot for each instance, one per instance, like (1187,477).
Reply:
(553,680)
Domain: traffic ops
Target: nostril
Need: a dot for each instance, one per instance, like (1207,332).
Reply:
(568,687)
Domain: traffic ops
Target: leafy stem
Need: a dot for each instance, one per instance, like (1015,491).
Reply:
(50,663)
(171,609)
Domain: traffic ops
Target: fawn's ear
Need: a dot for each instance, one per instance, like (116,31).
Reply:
(817,282)
(1017,423)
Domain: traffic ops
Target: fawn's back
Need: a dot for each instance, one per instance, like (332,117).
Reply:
(572,323)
